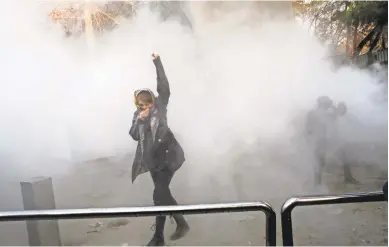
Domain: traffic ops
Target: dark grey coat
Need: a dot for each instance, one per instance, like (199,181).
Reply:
(165,152)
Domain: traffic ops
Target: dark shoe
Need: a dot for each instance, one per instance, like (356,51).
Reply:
(158,238)
(180,232)
(156,241)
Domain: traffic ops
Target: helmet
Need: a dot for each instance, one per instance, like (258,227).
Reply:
(324,102)
(342,108)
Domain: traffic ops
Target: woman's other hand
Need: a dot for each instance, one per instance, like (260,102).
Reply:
(144,114)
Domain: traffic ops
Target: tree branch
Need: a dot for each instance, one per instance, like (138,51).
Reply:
(375,41)
(365,40)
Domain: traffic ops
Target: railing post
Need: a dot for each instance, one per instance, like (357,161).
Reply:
(38,194)
(271,227)
(286,222)
(291,203)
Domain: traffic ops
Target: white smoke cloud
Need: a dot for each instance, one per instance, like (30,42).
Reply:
(231,81)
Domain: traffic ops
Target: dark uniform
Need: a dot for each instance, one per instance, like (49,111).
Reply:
(340,113)
(321,124)
(317,128)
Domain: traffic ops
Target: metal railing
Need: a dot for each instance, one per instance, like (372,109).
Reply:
(372,57)
(61,214)
(361,60)
(291,203)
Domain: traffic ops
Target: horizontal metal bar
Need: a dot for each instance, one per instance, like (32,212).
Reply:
(334,199)
(130,211)
(291,203)
(149,211)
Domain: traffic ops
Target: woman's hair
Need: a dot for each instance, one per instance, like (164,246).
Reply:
(145,97)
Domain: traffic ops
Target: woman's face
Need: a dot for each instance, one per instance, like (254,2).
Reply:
(143,105)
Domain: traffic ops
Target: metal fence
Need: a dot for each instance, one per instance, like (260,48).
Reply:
(364,60)
(372,57)
(149,211)
(291,203)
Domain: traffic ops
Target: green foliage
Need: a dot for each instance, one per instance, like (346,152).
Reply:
(366,13)
(335,20)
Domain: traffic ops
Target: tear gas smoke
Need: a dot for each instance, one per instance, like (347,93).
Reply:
(234,84)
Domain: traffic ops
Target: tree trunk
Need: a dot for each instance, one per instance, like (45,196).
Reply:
(89,30)
(375,41)
(338,34)
(356,26)
(348,31)
(365,40)
(348,34)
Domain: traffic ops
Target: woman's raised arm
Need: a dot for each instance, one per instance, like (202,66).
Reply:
(163,87)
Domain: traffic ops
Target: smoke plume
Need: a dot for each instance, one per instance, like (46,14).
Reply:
(240,85)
